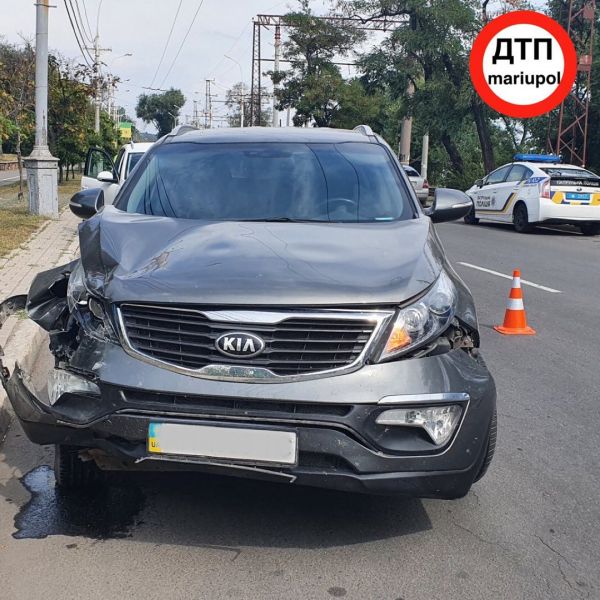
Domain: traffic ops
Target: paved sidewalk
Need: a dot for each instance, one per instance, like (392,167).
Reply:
(56,243)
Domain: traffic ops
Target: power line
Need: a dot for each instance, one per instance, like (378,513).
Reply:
(81,46)
(182,43)
(80,28)
(86,18)
(166,44)
(89,35)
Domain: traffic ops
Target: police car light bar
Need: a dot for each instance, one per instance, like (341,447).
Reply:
(543,158)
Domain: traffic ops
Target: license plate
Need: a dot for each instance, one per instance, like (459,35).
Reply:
(576,196)
(260,446)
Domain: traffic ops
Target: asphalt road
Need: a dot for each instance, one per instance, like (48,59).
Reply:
(8,177)
(529,530)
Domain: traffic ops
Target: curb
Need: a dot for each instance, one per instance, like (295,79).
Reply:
(24,341)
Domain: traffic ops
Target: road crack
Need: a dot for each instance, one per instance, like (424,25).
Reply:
(479,537)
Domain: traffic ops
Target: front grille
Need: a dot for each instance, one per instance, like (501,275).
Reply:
(236,406)
(297,345)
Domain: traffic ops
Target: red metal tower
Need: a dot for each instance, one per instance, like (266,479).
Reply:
(571,140)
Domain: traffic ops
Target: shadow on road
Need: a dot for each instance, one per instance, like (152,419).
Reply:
(545,230)
(195,509)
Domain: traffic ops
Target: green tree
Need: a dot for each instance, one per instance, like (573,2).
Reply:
(17,96)
(162,110)
(233,101)
(312,85)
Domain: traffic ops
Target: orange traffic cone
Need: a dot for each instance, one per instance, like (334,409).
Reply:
(515,319)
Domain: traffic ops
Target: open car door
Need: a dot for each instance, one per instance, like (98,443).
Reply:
(100,173)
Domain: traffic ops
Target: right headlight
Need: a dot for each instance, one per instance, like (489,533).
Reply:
(423,321)
(86,308)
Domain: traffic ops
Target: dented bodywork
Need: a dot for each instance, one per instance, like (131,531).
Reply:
(189,280)
(108,418)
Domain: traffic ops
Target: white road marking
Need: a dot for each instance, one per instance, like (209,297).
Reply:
(523,281)
(9,178)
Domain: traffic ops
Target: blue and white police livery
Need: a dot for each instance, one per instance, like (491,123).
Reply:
(537,189)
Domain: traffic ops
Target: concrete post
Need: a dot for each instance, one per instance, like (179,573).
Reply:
(42,167)
(406,131)
(425,156)
(275,121)
(242,100)
(97,90)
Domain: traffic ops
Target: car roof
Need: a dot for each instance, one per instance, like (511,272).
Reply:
(138,146)
(270,134)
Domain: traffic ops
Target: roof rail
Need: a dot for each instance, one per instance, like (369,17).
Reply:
(181,129)
(364,130)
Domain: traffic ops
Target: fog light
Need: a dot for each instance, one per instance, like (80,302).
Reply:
(61,382)
(439,422)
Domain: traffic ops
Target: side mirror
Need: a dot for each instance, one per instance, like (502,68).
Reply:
(449,205)
(87,203)
(106,177)
(479,183)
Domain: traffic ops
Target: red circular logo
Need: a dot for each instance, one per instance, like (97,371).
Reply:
(523,64)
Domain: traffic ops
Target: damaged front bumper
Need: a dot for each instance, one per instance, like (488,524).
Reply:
(106,400)
(340,444)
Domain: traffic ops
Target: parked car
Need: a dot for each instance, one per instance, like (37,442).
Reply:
(538,189)
(102,172)
(269,303)
(419,183)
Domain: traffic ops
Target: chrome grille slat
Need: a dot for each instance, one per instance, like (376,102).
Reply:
(295,345)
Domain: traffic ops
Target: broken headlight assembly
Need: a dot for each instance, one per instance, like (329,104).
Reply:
(421,322)
(88,310)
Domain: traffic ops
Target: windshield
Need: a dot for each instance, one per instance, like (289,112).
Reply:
(566,172)
(352,181)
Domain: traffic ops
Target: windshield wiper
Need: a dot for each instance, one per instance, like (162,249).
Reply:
(274,220)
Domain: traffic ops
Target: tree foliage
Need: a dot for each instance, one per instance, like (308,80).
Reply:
(162,110)
(312,85)
(70,109)
(421,70)
(234,97)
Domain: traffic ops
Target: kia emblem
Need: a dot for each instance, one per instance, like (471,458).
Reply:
(239,344)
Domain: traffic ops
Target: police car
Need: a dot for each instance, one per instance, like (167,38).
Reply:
(537,189)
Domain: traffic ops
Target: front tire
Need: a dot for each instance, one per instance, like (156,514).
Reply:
(470,218)
(72,473)
(491,447)
(521,219)
(590,228)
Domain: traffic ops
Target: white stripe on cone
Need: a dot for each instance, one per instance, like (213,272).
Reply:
(516,282)
(515,304)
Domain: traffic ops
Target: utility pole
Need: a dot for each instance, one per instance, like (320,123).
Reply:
(98,89)
(277,56)
(242,94)
(406,131)
(42,167)
(425,156)
(208,114)
(242,100)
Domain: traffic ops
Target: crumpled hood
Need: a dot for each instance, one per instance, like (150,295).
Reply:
(130,257)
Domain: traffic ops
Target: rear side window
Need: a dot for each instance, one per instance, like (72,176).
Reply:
(411,172)
(519,173)
(497,176)
(132,160)
(345,182)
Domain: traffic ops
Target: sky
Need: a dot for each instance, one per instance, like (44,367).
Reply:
(141,28)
